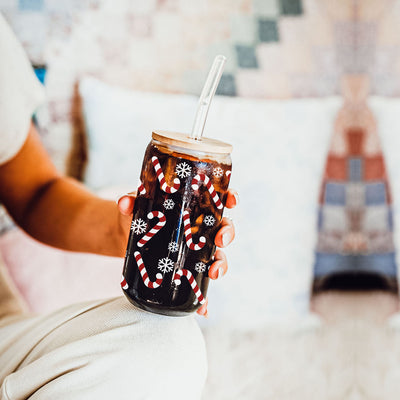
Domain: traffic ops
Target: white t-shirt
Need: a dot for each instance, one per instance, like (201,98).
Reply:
(20,93)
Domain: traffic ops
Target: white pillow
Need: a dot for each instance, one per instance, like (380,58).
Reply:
(119,125)
(278,159)
(280,148)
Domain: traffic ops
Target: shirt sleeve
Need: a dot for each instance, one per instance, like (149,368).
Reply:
(20,93)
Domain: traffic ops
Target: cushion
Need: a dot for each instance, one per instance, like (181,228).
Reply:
(279,153)
(119,124)
(49,278)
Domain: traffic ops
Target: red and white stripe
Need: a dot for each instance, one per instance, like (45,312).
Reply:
(206,180)
(228,173)
(188,234)
(124,284)
(141,189)
(161,178)
(161,222)
(144,274)
(184,272)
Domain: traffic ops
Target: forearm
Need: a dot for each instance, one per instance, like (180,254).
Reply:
(57,210)
(66,215)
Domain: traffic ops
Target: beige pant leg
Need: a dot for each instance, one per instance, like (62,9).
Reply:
(102,350)
(11,302)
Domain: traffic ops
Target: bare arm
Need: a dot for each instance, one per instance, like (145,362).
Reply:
(57,210)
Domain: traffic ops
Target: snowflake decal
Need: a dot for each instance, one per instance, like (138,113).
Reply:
(173,247)
(200,267)
(165,265)
(169,204)
(138,226)
(183,170)
(209,220)
(218,172)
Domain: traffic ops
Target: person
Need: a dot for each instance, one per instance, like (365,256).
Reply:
(97,349)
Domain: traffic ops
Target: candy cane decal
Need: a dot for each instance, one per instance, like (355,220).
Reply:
(228,173)
(143,272)
(141,189)
(161,222)
(193,284)
(160,176)
(206,180)
(124,284)
(188,234)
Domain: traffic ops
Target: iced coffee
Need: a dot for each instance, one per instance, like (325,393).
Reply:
(179,205)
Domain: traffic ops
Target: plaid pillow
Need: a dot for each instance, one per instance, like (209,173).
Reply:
(355,221)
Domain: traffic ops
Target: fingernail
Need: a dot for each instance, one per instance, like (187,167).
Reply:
(123,195)
(226,238)
(236,196)
(221,272)
(206,314)
(119,197)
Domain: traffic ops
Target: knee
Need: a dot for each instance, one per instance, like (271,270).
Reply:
(177,352)
(166,355)
(112,350)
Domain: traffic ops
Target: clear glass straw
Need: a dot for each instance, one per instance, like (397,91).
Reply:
(206,96)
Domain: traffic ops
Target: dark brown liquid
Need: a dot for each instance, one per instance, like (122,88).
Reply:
(167,251)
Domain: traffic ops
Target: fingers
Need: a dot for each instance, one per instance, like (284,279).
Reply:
(223,238)
(232,198)
(126,203)
(217,270)
(203,309)
(226,233)
(219,267)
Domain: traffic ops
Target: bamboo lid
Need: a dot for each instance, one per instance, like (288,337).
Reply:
(206,145)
